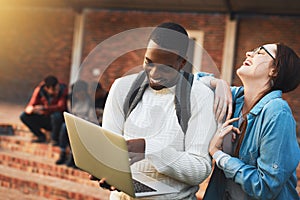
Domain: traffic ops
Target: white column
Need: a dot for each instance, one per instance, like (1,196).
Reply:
(77,46)
(229,50)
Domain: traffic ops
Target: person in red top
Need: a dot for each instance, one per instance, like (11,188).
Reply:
(45,108)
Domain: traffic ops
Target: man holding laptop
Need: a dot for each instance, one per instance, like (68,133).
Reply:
(160,144)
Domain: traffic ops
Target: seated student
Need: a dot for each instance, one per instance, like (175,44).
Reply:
(100,98)
(163,140)
(80,104)
(260,161)
(45,109)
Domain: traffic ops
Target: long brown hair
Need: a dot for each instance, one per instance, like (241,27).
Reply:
(287,65)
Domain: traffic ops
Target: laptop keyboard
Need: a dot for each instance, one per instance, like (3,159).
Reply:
(140,187)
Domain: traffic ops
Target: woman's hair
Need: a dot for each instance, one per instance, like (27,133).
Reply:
(287,64)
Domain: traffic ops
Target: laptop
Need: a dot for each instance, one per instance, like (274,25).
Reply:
(104,154)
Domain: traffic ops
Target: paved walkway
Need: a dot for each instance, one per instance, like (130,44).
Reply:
(9,113)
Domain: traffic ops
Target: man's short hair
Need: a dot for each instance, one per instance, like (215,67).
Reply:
(50,81)
(171,36)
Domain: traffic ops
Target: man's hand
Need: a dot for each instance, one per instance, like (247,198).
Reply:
(38,109)
(29,110)
(102,183)
(136,149)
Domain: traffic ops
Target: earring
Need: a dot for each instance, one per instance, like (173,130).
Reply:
(271,83)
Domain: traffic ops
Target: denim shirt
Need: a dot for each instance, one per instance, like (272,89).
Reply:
(269,154)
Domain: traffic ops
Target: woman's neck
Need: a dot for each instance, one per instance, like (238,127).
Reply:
(251,95)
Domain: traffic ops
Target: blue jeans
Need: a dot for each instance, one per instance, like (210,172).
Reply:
(51,122)
(63,137)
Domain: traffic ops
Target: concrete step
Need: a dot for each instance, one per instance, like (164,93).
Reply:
(13,194)
(17,143)
(43,166)
(48,187)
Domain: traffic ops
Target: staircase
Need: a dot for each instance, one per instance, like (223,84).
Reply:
(28,171)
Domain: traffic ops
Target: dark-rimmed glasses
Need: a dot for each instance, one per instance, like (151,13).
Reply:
(255,51)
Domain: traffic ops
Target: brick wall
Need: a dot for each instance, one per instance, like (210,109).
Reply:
(102,24)
(34,43)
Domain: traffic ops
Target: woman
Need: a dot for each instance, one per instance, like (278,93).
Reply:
(256,152)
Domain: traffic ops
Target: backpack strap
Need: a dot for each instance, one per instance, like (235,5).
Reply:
(135,93)
(182,99)
(62,88)
(43,93)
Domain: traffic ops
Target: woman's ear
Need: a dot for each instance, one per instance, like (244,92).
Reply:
(273,72)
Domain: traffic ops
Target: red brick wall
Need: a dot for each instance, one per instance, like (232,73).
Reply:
(254,31)
(34,43)
(102,24)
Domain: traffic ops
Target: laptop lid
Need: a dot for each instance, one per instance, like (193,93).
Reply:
(105,155)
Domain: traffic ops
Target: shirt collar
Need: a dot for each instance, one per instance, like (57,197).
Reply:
(164,90)
(266,99)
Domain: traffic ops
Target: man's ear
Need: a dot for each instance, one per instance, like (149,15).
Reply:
(182,62)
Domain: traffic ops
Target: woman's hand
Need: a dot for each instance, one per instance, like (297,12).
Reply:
(217,141)
(223,100)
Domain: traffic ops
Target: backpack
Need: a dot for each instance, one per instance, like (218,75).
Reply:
(181,100)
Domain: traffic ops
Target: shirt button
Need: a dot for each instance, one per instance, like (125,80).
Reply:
(275,166)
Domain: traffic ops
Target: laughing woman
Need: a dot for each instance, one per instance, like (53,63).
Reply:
(256,152)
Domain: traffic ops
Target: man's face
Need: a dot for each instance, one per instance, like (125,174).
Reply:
(52,91)
(161,67)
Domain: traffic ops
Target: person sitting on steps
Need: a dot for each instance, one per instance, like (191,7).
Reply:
(45,108)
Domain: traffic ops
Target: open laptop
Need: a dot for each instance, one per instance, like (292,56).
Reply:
(104,155)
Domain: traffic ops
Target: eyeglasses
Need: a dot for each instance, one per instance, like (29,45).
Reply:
(256,51)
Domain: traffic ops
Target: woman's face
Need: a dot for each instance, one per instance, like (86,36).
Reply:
(258,63)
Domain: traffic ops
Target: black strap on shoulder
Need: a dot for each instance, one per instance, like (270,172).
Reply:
(43,93)
(135,93)
(62,88)
(181,100)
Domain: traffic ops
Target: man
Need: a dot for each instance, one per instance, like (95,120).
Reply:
(159,145)
(45,109)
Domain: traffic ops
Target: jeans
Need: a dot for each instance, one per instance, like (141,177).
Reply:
(63,137)
(51,122)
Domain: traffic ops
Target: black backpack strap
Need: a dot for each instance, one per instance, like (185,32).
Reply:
(135,93)
(182,99)
(43,93)
(62,88)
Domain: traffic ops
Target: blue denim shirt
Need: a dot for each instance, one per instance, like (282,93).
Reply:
(269,154)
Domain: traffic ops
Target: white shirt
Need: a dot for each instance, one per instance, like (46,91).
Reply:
(155,120)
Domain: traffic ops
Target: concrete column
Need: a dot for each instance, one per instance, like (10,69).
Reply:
(229,49)
(77,46)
